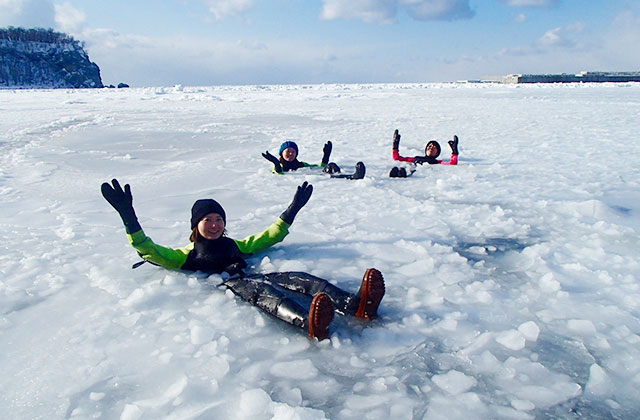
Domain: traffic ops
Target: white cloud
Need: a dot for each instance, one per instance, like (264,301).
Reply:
(226,8)
(68,18)
(369,11)
(562,37)
(384,11)
(532,3)
(521,18)
(620,43)
(438,9)
(553,38)
(27,13)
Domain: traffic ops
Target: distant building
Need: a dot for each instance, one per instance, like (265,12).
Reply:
(584,76)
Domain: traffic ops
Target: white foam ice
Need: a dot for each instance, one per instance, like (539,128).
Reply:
(512,279)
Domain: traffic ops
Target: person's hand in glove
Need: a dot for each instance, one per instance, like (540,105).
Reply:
(396,140)
(236,268)
(326,152)
(302,196)
(276,163)
(454,145)
(122,201)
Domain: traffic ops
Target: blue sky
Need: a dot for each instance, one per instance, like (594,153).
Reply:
(211,42)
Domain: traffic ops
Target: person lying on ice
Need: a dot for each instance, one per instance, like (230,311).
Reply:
(211,251)
(431,152)
(288,161)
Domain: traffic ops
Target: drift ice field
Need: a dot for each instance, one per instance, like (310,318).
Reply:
(513,279)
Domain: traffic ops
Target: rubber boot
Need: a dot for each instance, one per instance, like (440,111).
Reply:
(360,171)
(365,302)
(321,314)
(331,168)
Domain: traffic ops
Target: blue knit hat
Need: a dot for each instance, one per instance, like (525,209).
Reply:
(288,144)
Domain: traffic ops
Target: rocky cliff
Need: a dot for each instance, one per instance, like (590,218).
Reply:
(39,58)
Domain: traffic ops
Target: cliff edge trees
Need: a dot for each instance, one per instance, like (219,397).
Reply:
(42,58)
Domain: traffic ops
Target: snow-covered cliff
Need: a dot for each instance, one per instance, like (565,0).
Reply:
(38,58)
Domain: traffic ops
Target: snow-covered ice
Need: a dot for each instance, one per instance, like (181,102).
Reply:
(513,279)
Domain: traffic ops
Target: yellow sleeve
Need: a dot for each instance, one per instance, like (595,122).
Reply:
(161,255)
(261,241)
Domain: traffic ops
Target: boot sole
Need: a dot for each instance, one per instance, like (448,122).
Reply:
(372,293)
(321,314)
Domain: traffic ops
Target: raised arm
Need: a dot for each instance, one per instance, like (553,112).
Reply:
(454,152)
(326,153)
(396,145)
(122,201)
(277,167)
(301,197)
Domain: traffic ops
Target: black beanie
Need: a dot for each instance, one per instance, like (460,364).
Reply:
(435,143)
(203,207)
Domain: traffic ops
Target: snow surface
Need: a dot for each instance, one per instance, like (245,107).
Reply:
(513,287)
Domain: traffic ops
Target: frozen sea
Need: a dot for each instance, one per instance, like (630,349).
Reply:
(513,279)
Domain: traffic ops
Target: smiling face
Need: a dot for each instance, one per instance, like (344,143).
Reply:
(289,154)
(432,150)
(211,226)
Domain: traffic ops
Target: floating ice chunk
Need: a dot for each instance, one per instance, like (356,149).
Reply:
(131,412)
(511,339)
(454,382)
(599,382)
(297,369)
(378,385)
(135,297)
(96,396)
(448,324)
(480,250)
(130,320)
(513,261)
(550,394)
(478,343)
(523,405)
(175,389)
(259,320)
(219,367)
(200,334)
(266,265)
(293,265)
(356,362)
(254,402)
(462,407)
(65,232)
(170,279)
(285,412)
(582,326)
(424,265)
(529,330)
(165,358)
(365,402)
(548,283)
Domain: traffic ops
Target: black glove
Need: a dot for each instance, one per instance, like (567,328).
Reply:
(122,201)
(276,163)
(425,159)
(302,196)
(396,140)
(331,168)
(326,150)
(236,267)
(454,145)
